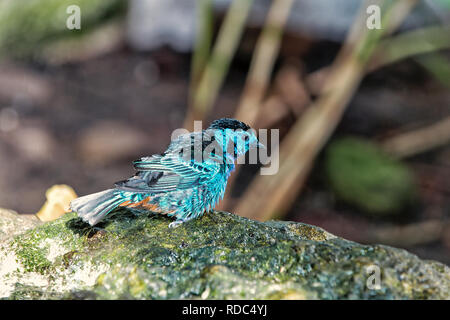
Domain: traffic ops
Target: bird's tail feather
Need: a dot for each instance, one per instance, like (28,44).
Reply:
(94,207)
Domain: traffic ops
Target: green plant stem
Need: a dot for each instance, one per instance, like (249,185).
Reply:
(204,33)
(263,59)
(217,67)
(261,68)
(269,196)
(411,43)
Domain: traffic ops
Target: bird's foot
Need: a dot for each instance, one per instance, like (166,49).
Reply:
(93,231)
(175,224)
(179,222)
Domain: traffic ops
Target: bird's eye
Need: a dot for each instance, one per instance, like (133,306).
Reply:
(245,139)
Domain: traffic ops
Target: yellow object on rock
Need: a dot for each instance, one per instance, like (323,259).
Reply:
(58,201)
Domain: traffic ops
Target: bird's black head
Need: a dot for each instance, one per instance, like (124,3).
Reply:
(227,123)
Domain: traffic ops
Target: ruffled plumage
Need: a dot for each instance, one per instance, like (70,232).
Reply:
(186,181)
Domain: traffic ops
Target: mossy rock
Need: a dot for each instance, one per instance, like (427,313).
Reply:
(219,256)
(27,26)
(361,175)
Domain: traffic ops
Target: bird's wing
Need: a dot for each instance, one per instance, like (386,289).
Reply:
(147,163)
(189,145)
(168,173)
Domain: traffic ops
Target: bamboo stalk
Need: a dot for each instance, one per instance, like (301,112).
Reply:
(217,67)
(261,67)
(263,60)
(269,196)
(204,33)
(410,235)
(393,49)
(417,141)
(411,43)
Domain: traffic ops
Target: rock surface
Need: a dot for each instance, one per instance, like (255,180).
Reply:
(219,256)
(12,224)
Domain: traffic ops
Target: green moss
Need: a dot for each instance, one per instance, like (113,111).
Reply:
(219,256)
(33,247)
(32,259)
(27,26)
(361,175)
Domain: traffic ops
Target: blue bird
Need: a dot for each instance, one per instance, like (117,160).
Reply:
(184,182)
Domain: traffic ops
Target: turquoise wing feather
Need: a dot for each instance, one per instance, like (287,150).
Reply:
(169,173)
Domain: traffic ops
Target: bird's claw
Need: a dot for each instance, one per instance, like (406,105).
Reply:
(179,222)
(175,224)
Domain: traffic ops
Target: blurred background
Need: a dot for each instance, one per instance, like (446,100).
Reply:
(363,113)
